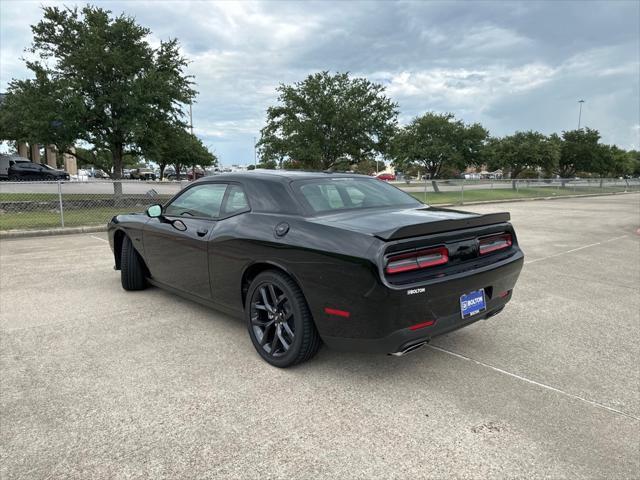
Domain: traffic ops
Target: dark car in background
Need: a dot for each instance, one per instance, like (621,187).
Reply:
(6,161)
(310,258)
(190,174)
(29,171)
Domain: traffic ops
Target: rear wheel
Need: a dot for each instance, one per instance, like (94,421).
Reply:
(279,321)
(131,267)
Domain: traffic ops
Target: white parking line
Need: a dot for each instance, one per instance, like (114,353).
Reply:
(574,250)
(533,382)
(98,238)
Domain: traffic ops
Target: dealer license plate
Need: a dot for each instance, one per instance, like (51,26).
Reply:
(472,303)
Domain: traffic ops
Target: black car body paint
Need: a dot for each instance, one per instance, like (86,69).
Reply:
(337,259)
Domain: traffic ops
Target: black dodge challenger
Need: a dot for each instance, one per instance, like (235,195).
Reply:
(310,258)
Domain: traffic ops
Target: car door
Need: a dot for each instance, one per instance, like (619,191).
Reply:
(177,256)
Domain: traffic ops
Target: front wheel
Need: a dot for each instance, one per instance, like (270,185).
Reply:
(279,321)
(131,267)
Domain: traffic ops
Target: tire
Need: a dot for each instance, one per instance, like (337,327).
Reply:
(131,268)
(286,318)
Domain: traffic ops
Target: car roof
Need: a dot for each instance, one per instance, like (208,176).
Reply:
(285,176)
(11,156)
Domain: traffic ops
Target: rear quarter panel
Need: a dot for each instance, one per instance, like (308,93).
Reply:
(332,266)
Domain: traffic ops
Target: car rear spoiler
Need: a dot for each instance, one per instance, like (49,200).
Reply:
(440,226)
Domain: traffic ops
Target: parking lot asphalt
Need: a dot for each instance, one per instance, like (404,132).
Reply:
(96,382)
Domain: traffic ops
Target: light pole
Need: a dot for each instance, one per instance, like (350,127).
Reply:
(191,117)
(255,154)
(193,169)
(580,112)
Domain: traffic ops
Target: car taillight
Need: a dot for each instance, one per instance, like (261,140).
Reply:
(416,260)
(494,243)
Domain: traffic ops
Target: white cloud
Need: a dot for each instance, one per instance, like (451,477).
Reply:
(516,65)
(463,88)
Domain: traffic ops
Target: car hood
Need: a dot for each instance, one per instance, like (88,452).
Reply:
(397,223)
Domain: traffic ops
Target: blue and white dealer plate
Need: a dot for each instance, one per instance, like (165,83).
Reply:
(472,303)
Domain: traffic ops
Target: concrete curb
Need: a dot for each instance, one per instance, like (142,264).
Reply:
(103,228)
(51,231)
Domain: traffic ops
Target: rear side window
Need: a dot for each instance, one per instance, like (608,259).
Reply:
(236,201)
(202,201)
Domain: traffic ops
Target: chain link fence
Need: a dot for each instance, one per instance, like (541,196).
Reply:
(461,191)
(42,205)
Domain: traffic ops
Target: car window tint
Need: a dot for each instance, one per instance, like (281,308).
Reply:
(324,195)
(333,196)
(355,195)
(202,201)
(236,200)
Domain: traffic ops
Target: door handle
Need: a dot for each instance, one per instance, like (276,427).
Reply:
(202,232)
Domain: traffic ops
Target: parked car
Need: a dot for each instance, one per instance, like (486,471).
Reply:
(100,174)
(309,258)
(23,171)
(195,173)
(6,161)
(142,174)
(388,177)
(171,175)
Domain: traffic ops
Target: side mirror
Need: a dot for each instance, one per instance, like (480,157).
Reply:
(154,211)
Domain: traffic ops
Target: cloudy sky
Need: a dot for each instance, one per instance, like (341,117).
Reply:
(509,65)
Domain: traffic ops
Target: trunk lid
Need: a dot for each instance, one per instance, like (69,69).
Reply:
(395,224)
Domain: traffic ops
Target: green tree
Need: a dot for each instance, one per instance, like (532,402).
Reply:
(611,161)
(327,118)
(173,145)
(100,80)
(633,157)
(369,167)
(579,152)
(436,142)
(520,152)
(102,159)
(268,164)
(40,111)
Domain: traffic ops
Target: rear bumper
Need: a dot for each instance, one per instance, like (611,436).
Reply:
(402,339)
(391,320)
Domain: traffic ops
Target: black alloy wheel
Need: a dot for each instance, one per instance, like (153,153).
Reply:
(279,322)
(272,320)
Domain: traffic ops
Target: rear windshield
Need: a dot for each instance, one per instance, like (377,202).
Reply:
(347,193)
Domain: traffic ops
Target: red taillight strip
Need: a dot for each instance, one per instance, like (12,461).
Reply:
(496,242)
(418,326)
(336,312)
(416,260)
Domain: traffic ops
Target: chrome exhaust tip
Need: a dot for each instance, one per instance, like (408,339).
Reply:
(409,349)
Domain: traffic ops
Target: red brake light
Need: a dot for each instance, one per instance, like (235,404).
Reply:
(494,243)
(418,326)
(338,313)
(416,260)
